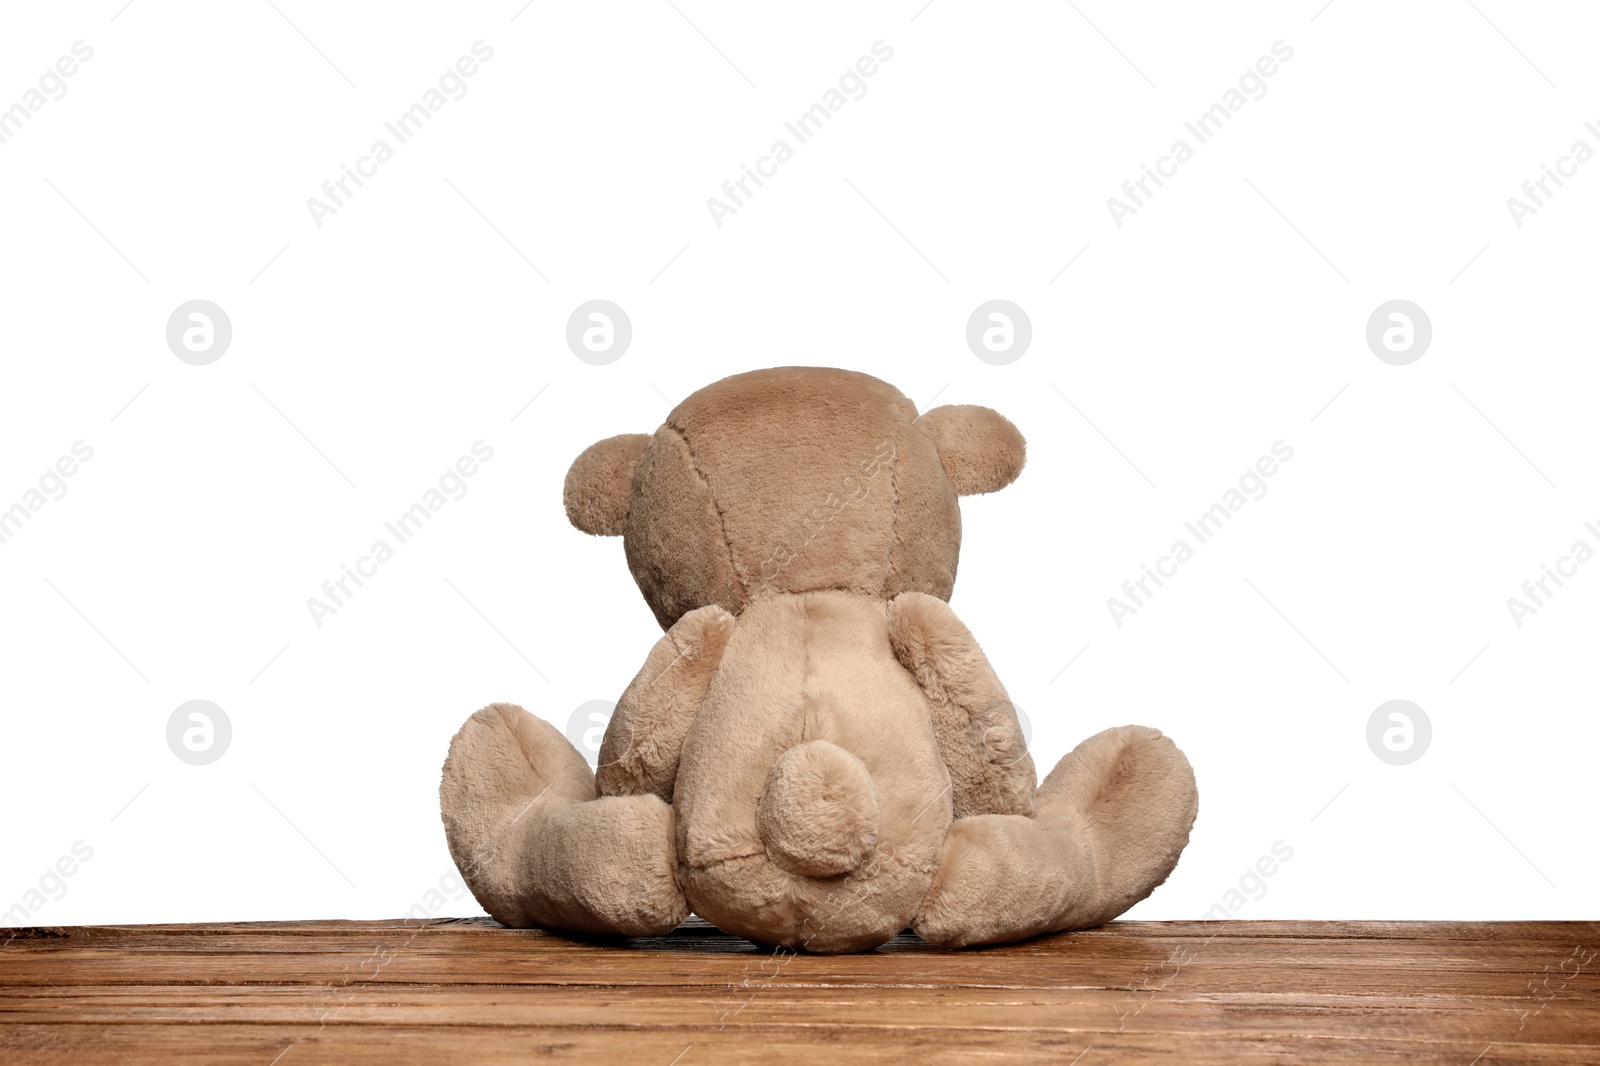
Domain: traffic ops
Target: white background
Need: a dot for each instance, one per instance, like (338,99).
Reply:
(368,354)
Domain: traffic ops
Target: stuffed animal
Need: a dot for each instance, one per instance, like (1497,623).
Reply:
(816,754)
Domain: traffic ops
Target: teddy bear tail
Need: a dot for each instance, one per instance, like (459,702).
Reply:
(819,813)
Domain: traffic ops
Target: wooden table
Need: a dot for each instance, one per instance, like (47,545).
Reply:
(469,991)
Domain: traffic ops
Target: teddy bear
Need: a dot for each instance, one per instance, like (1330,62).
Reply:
(816,755)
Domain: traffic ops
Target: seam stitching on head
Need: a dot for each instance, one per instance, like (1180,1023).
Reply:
(894,512)
(722,519)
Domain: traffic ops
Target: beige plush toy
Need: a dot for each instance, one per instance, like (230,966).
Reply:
(816,754)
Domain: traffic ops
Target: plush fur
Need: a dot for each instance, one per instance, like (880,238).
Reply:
(819,813)
(816,753)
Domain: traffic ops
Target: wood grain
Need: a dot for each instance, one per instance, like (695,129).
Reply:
(1475,994)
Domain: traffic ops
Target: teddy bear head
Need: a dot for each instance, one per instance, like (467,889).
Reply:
(790,480)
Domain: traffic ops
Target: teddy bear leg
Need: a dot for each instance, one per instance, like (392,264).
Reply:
(537,847)
(1110,822)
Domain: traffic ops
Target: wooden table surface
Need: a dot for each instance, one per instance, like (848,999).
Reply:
(295,993)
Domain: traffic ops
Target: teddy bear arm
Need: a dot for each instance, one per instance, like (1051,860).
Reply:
(644,739)
(974,721)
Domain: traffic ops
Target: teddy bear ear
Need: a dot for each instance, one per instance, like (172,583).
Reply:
(980,449)
(599,487)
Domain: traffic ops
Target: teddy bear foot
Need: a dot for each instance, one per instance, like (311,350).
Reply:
(535,845)
(1109,824)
